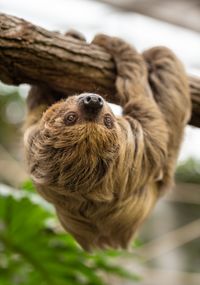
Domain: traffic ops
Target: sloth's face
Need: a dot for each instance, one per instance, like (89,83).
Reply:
(83,109)
(79,119)
(82,135)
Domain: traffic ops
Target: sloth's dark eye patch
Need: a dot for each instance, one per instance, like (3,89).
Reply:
(108,121)
(70,118)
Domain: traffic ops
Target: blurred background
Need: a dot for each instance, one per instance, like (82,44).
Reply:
(33,248)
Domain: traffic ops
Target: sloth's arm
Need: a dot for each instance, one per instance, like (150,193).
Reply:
(38,100)
(150,136)
(148,126)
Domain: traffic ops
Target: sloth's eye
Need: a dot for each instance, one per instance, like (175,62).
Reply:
(108,121)
(70,119)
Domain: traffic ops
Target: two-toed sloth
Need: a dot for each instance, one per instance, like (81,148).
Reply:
(102,172)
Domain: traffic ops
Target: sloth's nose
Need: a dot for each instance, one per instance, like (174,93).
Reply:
(92,102)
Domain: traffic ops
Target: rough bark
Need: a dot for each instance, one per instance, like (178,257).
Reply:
(30,54)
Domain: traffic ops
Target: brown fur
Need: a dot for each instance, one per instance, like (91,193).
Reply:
(105,181)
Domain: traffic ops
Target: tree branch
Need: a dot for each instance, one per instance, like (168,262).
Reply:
(30,54)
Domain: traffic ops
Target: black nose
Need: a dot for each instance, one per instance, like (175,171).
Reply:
(92,102)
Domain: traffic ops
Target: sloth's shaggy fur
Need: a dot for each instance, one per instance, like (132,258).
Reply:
(104,181)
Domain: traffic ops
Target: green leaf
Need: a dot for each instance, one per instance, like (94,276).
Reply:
(28,186)
(31,252)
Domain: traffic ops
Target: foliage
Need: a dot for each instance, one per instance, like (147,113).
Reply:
(12,112)
(188,171)
(32,252)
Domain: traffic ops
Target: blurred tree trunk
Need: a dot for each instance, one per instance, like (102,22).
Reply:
(30,54)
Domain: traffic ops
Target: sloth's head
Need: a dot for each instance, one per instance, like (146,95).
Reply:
(77,143)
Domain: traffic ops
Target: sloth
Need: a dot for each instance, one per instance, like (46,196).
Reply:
(104,173)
